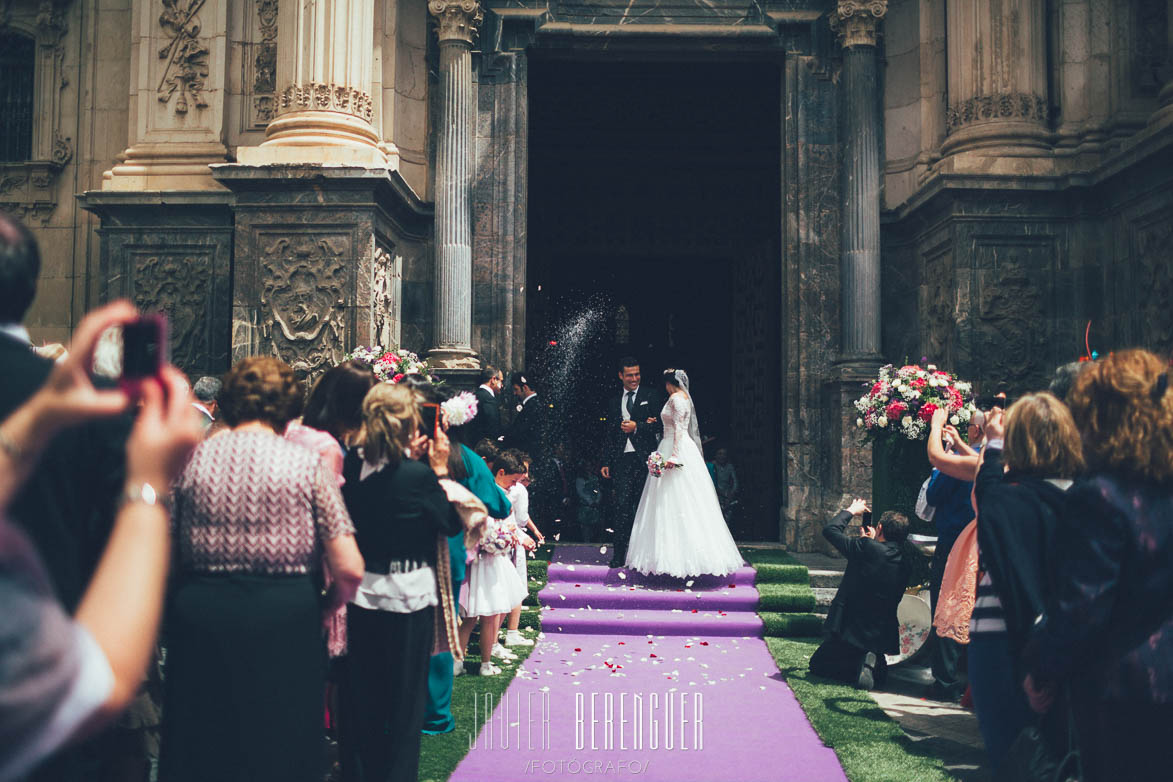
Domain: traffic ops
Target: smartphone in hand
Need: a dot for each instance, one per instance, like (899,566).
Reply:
(144,351)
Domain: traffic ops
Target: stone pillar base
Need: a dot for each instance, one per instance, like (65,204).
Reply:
(166,166)
(455,359)
(999,138)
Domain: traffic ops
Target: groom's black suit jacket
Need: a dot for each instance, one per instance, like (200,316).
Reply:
(649,403)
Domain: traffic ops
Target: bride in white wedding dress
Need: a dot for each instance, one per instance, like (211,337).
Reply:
(678,528)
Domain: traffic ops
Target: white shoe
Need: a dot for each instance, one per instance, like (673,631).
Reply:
(515,638)
(488,669)
(457,667)
(503,653)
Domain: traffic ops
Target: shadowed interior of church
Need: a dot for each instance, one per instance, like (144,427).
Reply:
(654,230)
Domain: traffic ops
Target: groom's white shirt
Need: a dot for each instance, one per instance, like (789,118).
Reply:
(629,448)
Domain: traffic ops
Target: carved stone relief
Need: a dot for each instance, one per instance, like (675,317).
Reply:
(178,284)
(1153,281)
(186,55)
(939,292)
(303,299)
(263,78)
(1010,106)
(327,97)
(386,298)
(1011,346)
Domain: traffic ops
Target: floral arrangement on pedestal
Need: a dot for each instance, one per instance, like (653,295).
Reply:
(900,403)
(391,365)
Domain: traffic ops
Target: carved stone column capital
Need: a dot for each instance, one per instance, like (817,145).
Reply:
(856,21)
(456,20)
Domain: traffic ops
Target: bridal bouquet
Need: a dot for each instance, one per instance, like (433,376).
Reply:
(500,538)
(656,464)
(390,365)
(901,402)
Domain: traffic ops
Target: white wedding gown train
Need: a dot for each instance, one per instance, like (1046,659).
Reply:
(679,529)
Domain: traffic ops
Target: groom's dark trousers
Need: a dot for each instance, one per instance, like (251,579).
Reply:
(629,471)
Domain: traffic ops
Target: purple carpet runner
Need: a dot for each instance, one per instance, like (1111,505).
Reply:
(681,685)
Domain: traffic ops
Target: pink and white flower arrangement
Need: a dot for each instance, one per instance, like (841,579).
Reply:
(901,401)
(460,409)
(390,365)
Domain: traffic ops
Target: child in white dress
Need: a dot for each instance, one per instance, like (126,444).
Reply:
(493,586)
(519,497)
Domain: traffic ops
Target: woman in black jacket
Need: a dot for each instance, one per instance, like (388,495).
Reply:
(1020,496)
(399,511)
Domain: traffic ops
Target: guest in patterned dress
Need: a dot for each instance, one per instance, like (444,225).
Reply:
(1108,631)
(246,659)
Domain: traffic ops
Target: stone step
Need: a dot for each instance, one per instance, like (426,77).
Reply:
(825,579)
(592,573)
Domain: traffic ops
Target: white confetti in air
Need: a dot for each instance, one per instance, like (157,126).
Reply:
(603,550)
(688,583)
(570,568)
(623,576)
(557,535)
(545,689)
(610,530)
(560,597)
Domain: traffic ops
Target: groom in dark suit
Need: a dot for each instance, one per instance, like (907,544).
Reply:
(633,432)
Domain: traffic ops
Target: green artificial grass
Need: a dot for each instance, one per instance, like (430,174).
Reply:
(769,573)
(440,755)
(769,556)
(787,625)
(870,746)
(785,597)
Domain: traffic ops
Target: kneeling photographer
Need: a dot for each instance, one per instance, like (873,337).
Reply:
(861,626)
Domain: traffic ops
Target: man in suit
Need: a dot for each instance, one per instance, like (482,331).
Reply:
(861,626)
(67,505)
(633,432)
(487,424)
(527,430)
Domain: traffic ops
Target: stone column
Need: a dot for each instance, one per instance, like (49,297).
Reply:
(860,233)
(324,77)
(457,22)
(997,59)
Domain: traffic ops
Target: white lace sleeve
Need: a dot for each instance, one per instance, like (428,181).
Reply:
(679,411)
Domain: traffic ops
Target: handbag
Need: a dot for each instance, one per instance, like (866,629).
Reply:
(1031,758)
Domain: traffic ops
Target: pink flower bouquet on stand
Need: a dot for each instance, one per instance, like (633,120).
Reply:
(391,365)
(901,402)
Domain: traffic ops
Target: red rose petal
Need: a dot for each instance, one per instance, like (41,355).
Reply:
(694,610)
(621,643)
(704,643)
(653,654)
(577,649)
(732,586)
(688,646)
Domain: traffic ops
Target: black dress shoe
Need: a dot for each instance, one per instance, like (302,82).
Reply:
(867,672)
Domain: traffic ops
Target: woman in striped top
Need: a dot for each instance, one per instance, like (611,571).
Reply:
(1025,469)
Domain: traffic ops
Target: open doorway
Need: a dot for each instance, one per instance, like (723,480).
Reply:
(653,224)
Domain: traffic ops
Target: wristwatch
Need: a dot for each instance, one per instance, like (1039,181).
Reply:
(146,494)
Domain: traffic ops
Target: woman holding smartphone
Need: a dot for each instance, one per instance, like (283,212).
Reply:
(399,511)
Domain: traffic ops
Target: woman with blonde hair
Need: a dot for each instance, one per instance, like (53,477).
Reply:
(403,518)
(1031,455)
(1108,629)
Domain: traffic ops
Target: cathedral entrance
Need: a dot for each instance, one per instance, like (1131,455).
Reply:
(654,230)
